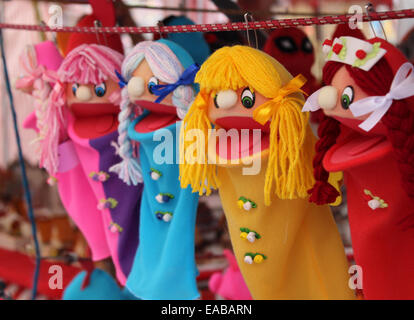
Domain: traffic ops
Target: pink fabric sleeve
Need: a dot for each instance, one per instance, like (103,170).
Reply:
(80,202)
(68,158)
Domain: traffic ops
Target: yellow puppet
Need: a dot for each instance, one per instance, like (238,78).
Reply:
(286,247)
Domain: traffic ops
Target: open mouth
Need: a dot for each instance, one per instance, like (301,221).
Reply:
(354,146)
(94,119)
(242,137)
(161,116)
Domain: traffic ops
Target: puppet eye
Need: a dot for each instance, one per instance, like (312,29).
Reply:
(225,99)
(247,98)
(151,83)
(307,46)
(100,89)
(75,87)
(347,97)
(286,44)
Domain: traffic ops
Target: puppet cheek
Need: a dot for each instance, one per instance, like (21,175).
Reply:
(136,87)
(328,97)
(83,93)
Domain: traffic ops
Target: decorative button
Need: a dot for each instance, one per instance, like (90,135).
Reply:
(248,259)
(114,227)
(250,235)
(109,203)
(165,216)
(246,204)
(164,197)
(254,257)
(100,176)
(375,202)
(51,181)
(155,174)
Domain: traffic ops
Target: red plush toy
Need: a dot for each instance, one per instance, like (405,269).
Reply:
(368,133)
(293,49)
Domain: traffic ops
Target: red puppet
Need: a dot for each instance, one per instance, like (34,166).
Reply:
(293,49)
(367,132)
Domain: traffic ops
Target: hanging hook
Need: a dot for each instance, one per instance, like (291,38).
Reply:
(248,16)
(370,9)
(98,24)
(160,24)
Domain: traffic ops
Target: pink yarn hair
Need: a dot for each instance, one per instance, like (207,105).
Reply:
(86,64)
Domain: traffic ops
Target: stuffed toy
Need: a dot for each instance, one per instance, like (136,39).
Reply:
(39,64)
(293,49)
(98,285)
(199,52)
(157,80)
(81,121)
(230,284)
(280,240)
(368,133)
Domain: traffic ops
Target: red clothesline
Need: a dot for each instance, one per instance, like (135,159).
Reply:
(235,26)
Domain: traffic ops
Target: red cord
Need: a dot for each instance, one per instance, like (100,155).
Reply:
(235,26)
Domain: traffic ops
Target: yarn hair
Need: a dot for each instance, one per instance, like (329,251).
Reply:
(86,64)
(166,67)
(289,170)
(399,121)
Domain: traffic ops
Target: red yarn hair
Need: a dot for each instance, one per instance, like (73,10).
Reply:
(399,121)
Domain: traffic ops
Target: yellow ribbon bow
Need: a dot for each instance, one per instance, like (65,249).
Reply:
(265,112)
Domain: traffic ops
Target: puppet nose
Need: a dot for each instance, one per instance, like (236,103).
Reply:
(136,87)
(226,99)
(327,97)
(83,93)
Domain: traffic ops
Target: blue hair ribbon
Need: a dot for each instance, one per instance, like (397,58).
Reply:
(122,81)
(187,78)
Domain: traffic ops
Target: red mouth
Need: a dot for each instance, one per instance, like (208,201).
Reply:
(242,137)
(86,110)
(161,116)
(94,120)
(156,107)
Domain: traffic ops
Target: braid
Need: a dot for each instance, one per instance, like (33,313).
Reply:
(128,169)
(323,192)
(328,131)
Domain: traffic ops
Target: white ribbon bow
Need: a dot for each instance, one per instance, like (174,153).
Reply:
(402,87)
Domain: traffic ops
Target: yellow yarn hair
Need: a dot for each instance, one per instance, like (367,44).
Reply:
(291,151)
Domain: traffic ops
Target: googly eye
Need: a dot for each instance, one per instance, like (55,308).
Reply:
(153,81)
(225,99)
(347,97)
(75,87)
(247,98)
(100,89)
(286,44)
(136,87)
(307,46)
